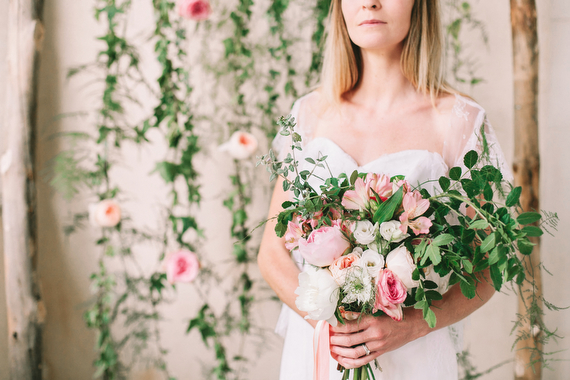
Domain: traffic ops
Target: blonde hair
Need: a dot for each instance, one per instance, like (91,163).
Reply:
(422,60)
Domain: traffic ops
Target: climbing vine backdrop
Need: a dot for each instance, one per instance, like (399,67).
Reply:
(223,72)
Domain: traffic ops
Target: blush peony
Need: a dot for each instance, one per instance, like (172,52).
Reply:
(182,266)
(323,246)
(106,213)
(317,294)
(390,294)
(194,9)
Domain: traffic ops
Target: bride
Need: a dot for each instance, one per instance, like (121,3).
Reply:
(382,106)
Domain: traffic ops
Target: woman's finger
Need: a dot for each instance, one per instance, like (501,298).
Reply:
(349,352)
(349,340)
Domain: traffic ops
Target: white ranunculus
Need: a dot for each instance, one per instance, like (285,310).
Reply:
(391,231)
(365,232)
(318,294)
(240,146)
(400,262)
(372,261)
(442,282)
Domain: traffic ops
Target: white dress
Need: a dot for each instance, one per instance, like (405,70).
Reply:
(432,357)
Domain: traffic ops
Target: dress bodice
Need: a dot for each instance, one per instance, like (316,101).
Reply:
(434,354)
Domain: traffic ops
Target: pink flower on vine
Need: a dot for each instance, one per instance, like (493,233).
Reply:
(182,266)
(105,213)
(196,10)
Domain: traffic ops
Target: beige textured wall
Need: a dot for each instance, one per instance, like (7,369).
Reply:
(66,263)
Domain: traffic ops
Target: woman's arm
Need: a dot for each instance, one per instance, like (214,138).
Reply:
(382,334)
(274,260)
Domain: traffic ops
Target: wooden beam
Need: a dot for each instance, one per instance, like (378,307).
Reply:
(526,166)
(25,309)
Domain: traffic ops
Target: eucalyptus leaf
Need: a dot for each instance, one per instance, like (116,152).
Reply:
(513,197)
(528,217)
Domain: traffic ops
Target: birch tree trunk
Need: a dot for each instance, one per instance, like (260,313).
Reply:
(526,169)
(24,306)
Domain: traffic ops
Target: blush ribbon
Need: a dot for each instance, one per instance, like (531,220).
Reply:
(321,351)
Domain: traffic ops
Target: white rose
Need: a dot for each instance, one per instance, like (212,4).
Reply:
(391,231)
(240,146)
(365,232)
(372,261)
(400,262)
(442,282)
(318,294)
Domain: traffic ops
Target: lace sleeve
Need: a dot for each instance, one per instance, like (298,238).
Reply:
(470,130)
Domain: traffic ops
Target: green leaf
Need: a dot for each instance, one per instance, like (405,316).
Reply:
(444,239)
(497,277)
(386,210)
(480,224)
(494,256)
(488,243)
(468,266)
(433,295)
(468,289)
(353,177)
(310,160)
(430,318)
(525,246)
(455,173)
(433,253)
(470,159)
(532,231)
(488,192)
(167,170)
(429,284)
(528,217)
(444,183)
(513,197)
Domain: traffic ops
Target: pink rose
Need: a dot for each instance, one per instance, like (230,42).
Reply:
(414,206)
(323,246)
(240,146)
(194,9)
(292,236)
(182,266)
(106,213)
(390,294)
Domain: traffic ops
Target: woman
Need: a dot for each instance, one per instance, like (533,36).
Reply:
(382,107)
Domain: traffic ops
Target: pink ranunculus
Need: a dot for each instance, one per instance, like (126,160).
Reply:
(105,213)
(182,266)
(381,184)
(390,294)
(323,246)
(414,206)
(357,199)
(194,9)
(241,145)
(292,236)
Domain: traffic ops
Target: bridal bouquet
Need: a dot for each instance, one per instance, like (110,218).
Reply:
(375,244)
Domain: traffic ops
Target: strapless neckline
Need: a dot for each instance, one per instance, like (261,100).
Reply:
(378,159)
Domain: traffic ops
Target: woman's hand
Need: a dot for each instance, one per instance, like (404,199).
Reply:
(380,334)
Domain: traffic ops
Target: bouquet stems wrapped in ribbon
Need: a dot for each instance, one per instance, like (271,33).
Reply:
(374,244)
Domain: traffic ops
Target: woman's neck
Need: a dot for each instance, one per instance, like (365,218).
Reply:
(382,84)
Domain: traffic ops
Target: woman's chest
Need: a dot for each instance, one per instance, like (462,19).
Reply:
(366,137)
